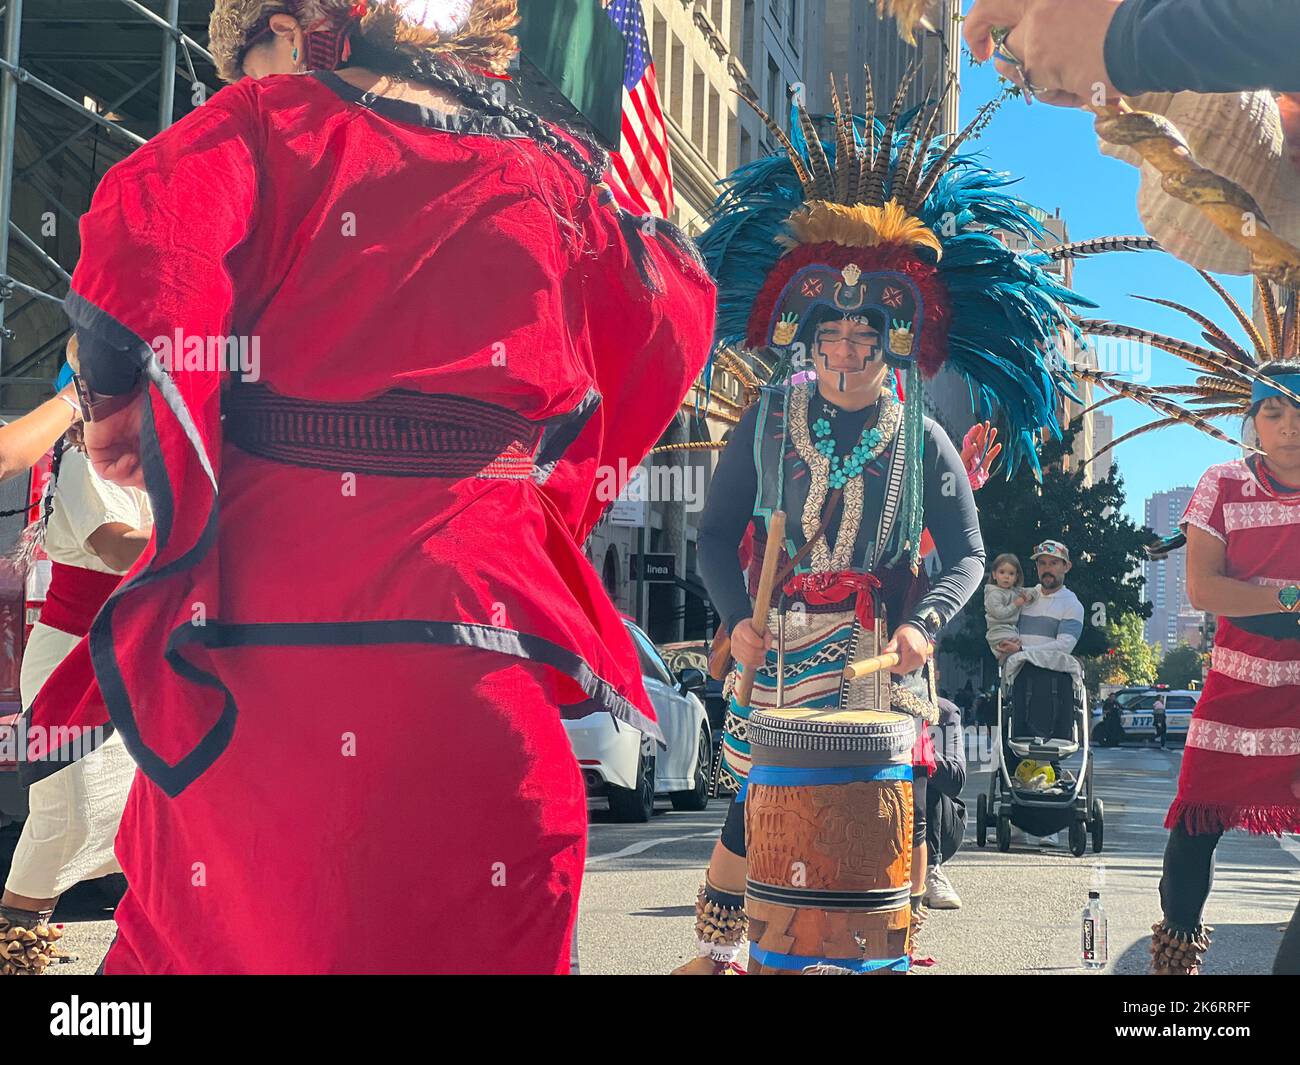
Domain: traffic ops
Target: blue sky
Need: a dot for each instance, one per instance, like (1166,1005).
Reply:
(1054,151)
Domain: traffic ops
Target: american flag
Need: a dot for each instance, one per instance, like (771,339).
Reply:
(640,169)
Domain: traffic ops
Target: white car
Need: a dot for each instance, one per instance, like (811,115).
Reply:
(627,767)
(1137,719)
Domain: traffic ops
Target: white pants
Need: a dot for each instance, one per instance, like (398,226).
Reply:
(73,814)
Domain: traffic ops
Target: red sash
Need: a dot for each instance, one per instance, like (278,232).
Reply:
(820,589)
(75,597)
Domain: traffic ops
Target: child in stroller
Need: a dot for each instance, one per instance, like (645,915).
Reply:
(1042,721)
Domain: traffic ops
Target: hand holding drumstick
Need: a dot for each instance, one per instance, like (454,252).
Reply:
(752,639)
(905,653)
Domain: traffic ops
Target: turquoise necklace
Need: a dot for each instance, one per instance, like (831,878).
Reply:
(870,446)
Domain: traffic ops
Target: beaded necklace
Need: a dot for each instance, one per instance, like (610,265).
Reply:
(870,446)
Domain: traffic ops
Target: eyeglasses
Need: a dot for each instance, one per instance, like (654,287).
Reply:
(859,344)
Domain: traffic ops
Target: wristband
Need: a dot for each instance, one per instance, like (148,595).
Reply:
(929,624)
(95,407)
(1288,598)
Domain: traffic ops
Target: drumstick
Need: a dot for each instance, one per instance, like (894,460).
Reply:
(867,666)
(766,585)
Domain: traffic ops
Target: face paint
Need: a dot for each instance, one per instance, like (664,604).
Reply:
(847,346)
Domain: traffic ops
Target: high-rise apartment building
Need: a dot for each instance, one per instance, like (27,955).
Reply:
(1166,580)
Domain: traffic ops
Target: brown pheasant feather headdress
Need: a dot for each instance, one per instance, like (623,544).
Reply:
(475,33)
(1228,370)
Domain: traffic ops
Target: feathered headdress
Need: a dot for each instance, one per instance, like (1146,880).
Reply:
(889,218)
(476,33)
(1229,372)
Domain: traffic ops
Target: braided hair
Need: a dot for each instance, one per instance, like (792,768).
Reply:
(473,93)
(60,446)
(471,90)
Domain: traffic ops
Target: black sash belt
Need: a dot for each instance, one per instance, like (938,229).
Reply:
(862,901)
(396,434)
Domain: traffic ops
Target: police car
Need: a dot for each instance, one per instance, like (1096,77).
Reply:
(1137,716)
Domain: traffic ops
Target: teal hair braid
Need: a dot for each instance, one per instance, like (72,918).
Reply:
(911,518)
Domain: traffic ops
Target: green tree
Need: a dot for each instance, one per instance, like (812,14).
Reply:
(1180,667)
(1020,512)
(1130,659)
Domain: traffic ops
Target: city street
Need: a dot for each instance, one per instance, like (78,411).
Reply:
(1021,910)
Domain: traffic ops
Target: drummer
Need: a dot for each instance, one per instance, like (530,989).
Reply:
(858,296)
(822,599)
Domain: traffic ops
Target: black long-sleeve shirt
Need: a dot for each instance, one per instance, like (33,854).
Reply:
(1204,46)
(950,514)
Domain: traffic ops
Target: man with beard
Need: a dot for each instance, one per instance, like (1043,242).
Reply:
(1055,618)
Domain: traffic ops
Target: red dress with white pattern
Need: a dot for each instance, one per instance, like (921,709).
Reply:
(1243,745)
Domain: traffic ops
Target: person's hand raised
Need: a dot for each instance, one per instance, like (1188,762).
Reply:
(1060,46)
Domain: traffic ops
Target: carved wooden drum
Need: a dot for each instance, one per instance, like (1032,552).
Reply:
(828,828)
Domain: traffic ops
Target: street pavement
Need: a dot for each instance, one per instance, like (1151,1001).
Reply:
(1021,911)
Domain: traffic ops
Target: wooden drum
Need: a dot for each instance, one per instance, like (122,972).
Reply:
(828,829)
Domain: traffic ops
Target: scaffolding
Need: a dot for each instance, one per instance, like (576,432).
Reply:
(83,83)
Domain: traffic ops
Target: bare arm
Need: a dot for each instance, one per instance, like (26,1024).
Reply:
(24,441)
(1209,590)
(118,545)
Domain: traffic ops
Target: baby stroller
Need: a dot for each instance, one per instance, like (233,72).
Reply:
(1041,716)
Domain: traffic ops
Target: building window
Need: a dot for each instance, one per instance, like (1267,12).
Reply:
(699,98)
(775,93)
(659,45)
(715,130)
(792,22)
(746,146)
(747,38)
(678,80)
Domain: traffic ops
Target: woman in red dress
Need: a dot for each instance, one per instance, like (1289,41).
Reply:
(369,338)
(1241,764)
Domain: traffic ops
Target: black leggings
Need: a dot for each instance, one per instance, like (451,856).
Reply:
(1188,876)
(733,829)
(945,825)
(1185,885)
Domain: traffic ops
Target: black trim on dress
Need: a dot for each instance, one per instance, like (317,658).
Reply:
(174,779)
(463,122)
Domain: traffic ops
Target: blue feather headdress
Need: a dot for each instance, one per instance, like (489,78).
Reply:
(888,218)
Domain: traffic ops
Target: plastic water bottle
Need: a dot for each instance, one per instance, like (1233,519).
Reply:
(1094,933)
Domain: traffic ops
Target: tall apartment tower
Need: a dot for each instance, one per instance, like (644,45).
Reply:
(850,36)
(1167,579)
(773,40)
